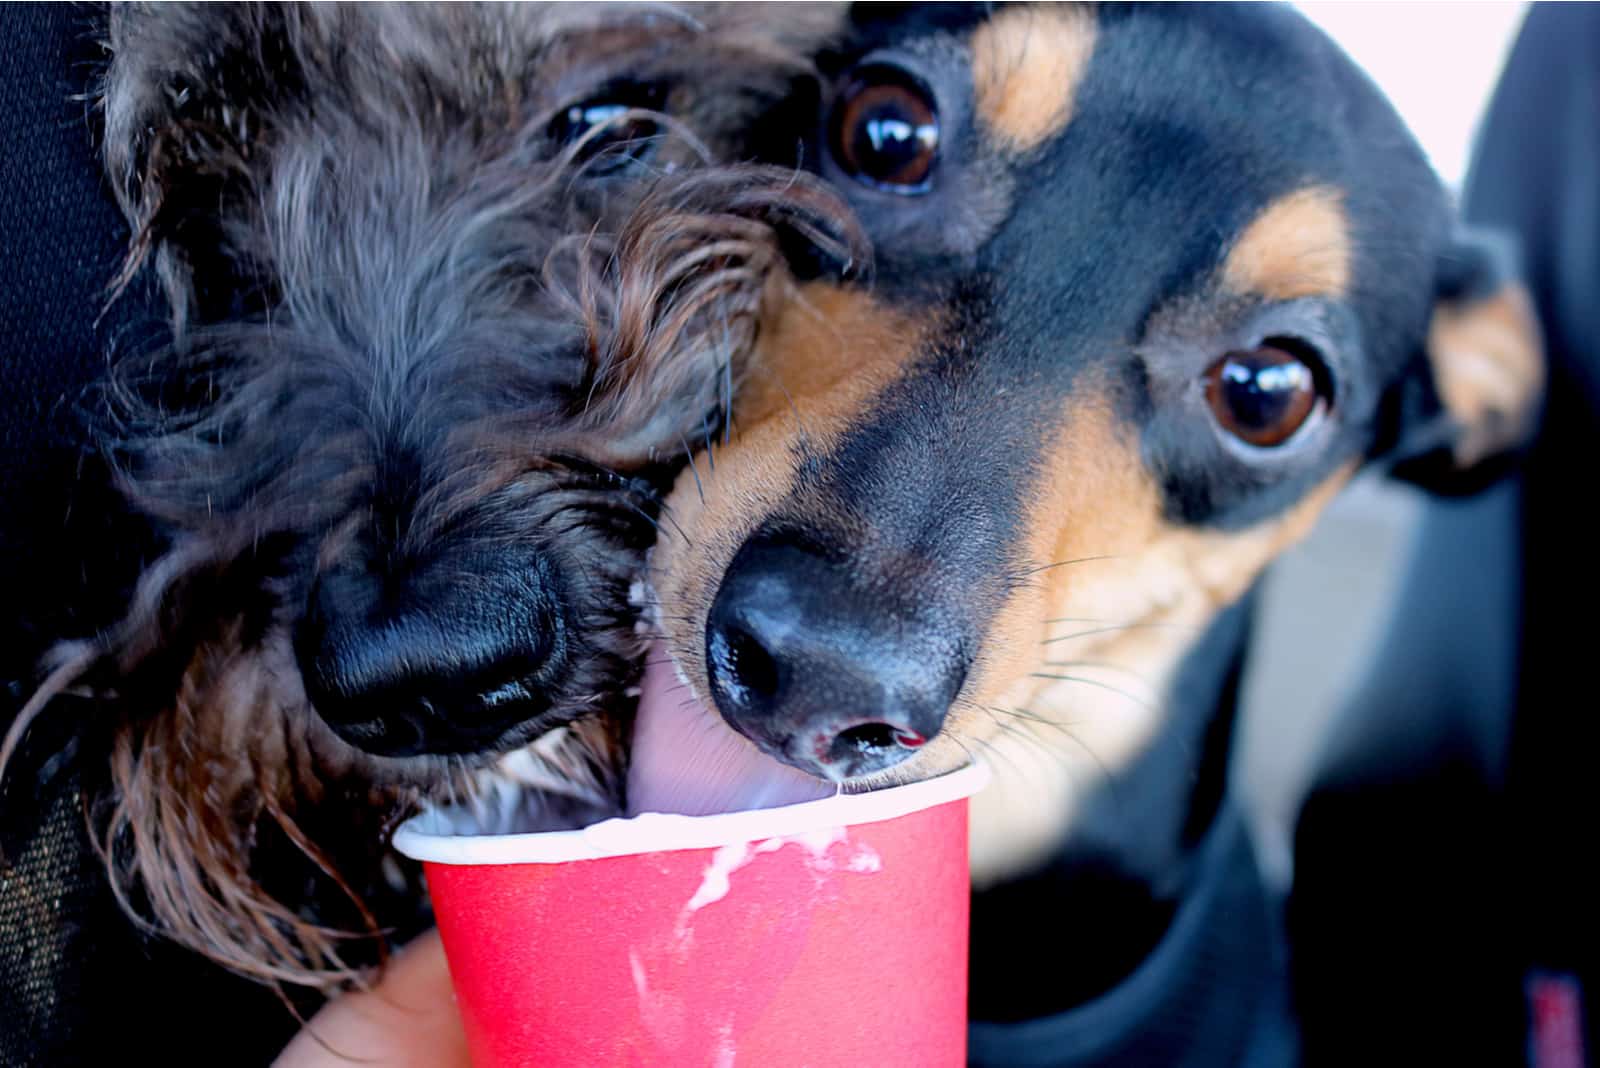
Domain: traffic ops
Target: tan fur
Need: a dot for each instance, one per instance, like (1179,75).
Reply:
(1298,246)
(1026,66)
(1488,365)
(826,351)
(1132,592)
(823,355)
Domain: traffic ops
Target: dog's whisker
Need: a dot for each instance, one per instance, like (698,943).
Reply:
(1033,720)
(1067,563)
(1119,691)
(1113,783)
(1103,665)
(677,528)
(1031,742)
(961,745)
(803,438)
(1102,619)
(711,457)
(999,756)
(1120,627)
(698,485)
(646,516)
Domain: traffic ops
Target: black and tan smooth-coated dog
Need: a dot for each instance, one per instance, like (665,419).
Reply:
(1151,284)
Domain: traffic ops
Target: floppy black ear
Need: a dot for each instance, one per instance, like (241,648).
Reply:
(1460,418)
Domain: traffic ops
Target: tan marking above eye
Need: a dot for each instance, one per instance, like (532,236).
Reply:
(1298,246)
(1026,66)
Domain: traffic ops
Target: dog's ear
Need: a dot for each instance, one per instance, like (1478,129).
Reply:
(184,129)
(1474,399)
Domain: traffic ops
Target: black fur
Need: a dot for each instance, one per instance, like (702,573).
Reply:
(1055,308)
(1101,274)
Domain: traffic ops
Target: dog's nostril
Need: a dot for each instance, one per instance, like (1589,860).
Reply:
(875,737)
(748,673)
(866,737)
(392,735)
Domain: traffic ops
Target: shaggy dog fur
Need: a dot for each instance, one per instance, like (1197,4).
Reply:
(452,291)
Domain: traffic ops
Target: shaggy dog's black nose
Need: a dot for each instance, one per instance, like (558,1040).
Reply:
(821,670)
(445,661)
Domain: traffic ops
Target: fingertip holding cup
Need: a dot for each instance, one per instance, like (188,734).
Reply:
(826,933)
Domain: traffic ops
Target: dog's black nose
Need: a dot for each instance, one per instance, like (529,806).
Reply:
(447,661)
(821,671)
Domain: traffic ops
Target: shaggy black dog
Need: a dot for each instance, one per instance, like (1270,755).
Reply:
(453,290)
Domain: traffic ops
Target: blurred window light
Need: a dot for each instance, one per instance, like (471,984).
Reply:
(1437,61)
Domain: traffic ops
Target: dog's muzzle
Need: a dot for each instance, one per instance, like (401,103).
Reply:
(445,661)
(819,669)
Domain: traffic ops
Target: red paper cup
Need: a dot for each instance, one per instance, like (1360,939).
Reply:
(827,933)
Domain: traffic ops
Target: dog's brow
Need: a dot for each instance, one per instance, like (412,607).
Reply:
(830,352)
(1026,66)
(1298,246)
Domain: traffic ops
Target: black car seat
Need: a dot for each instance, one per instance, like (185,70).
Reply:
(79,984)
(1446,906)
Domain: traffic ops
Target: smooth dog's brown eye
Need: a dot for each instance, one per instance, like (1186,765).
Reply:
(886,131)
(1263,395)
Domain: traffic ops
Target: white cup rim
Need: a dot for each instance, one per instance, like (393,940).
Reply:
(427,836)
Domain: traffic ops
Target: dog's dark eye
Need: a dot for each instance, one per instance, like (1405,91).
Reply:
(610,128)
(885,131)
(1262,396)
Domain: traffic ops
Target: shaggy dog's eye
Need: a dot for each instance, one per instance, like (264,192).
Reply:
(885,130)
(612,129)
(1264,395)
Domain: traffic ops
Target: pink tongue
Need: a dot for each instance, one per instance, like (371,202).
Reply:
(685,759)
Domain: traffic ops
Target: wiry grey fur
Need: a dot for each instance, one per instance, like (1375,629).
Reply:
(412,331)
